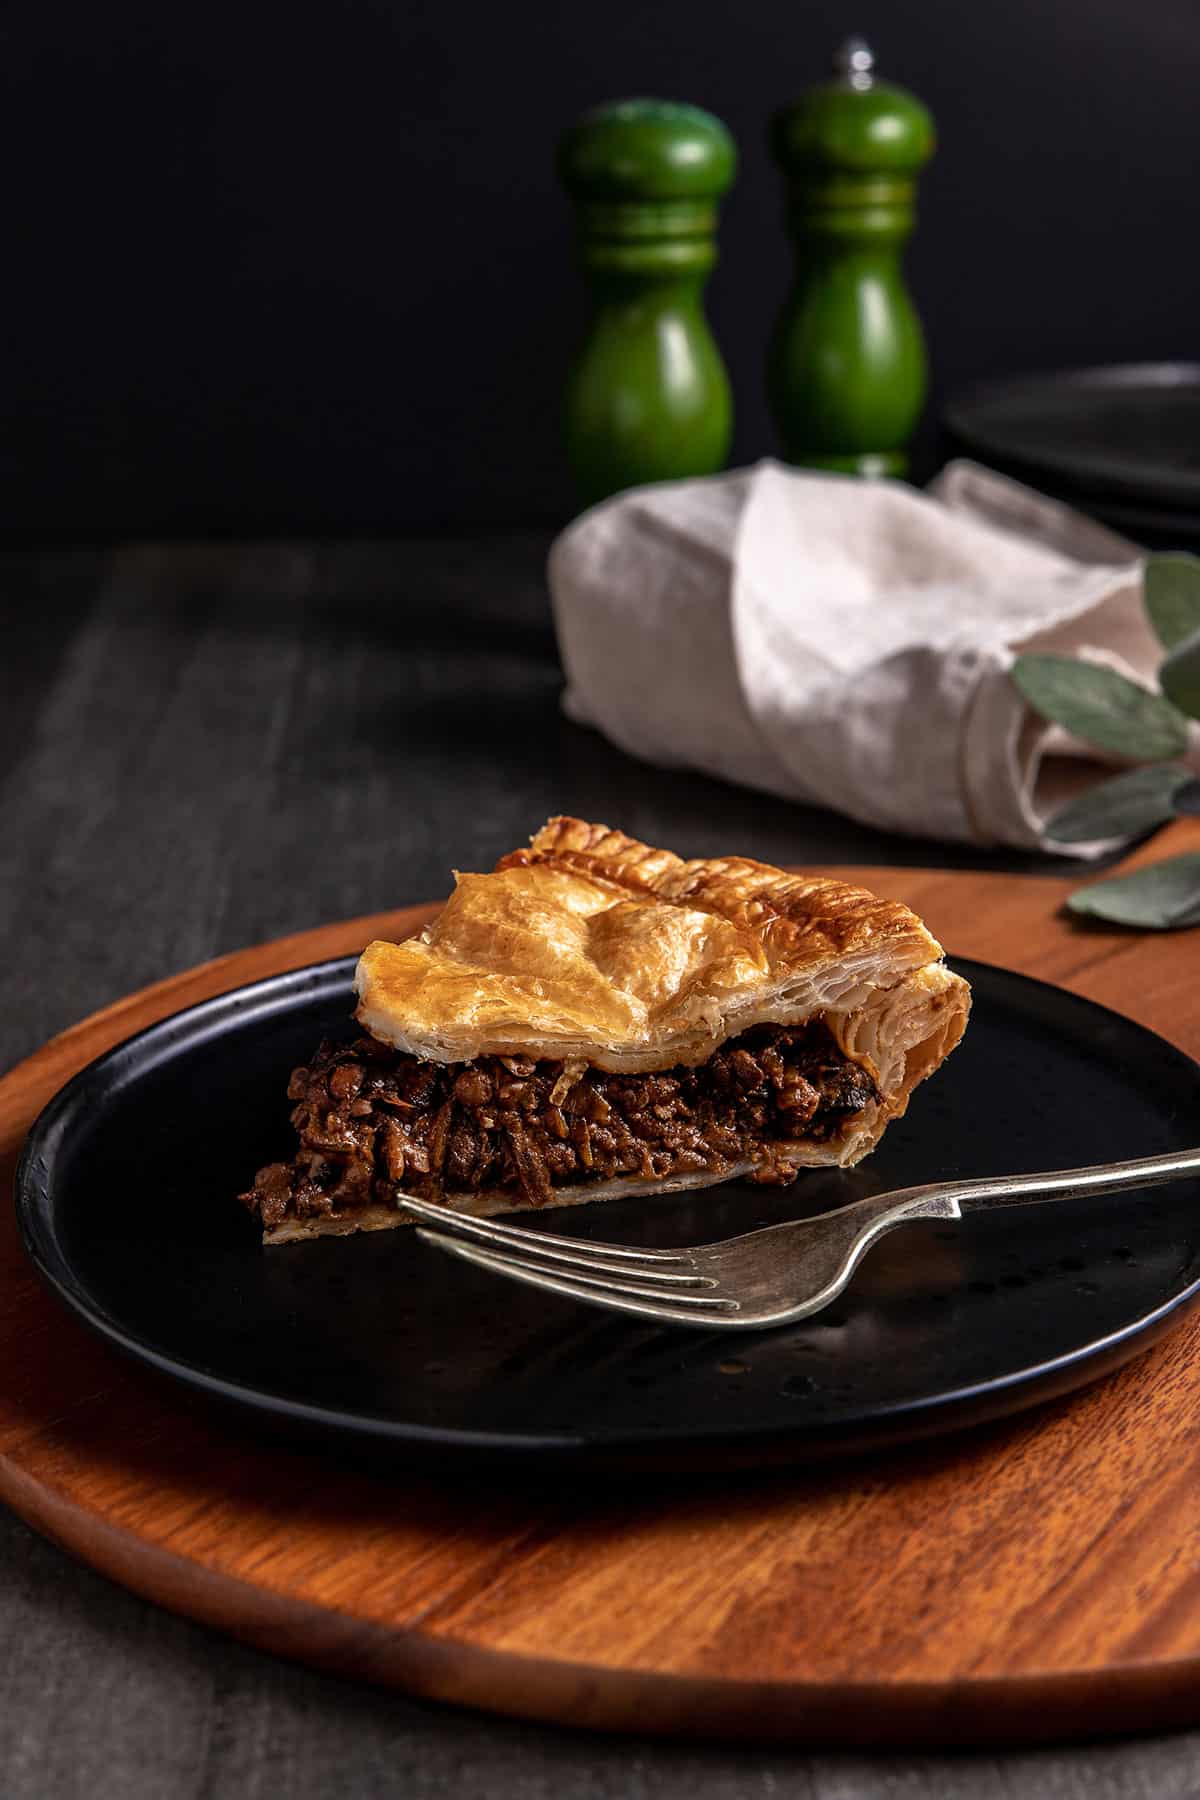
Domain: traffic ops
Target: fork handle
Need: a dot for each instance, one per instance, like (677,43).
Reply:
(1070,1184)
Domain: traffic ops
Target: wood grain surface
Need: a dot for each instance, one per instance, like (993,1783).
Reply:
(1034,1580)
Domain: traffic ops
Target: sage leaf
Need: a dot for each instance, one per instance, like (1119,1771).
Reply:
(1160,898)
(1180,675)
(1102,707)
(1133,802)
(1171,585)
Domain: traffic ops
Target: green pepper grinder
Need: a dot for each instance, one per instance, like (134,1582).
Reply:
(647,395)
(846,375)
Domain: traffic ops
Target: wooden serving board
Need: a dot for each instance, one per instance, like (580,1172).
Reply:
(1034,1579)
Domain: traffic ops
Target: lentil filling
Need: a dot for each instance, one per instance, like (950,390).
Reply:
(372,1119)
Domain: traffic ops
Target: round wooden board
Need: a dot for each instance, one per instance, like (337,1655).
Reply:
(1032,1580)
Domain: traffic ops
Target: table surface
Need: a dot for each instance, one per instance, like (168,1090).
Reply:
(207,746)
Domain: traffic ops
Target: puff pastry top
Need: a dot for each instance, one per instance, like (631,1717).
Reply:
(591,945)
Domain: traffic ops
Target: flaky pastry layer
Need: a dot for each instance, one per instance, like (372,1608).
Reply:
(591,945)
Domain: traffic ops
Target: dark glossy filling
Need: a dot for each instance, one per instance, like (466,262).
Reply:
(371,1120)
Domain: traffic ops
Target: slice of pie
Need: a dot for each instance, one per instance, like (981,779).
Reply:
(596,1018)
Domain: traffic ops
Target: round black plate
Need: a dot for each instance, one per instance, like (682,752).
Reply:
(126,1201)
(1128,432)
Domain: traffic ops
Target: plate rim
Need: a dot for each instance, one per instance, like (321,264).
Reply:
(1104,479)
(924,1416)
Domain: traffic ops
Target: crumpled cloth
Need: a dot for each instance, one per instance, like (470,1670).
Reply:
(847,643)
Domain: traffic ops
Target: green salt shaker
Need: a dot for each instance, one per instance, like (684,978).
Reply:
(846,371)
(647,395)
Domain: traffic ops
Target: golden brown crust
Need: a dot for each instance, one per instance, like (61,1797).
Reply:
(797,917)
(592,944)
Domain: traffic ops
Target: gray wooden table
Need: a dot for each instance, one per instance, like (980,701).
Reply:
(201,748)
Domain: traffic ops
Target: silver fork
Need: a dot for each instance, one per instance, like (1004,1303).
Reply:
(768,1277)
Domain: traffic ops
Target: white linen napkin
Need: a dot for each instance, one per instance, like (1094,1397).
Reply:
(847,643)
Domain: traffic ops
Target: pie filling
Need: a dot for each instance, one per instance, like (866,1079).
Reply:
(372,1119)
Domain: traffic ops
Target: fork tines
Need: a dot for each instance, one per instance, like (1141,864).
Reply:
(658,1283)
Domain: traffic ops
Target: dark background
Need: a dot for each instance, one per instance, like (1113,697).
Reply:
(306,267)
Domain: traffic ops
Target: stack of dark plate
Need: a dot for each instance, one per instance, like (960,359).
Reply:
(1121,443)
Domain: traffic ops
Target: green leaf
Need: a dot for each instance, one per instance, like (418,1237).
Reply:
(1180,675)
(1133,802)
(1172,591)
(1102,707)
(1164,896)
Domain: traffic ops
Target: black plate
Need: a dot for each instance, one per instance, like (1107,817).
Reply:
(1129,432)
(125,1199)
